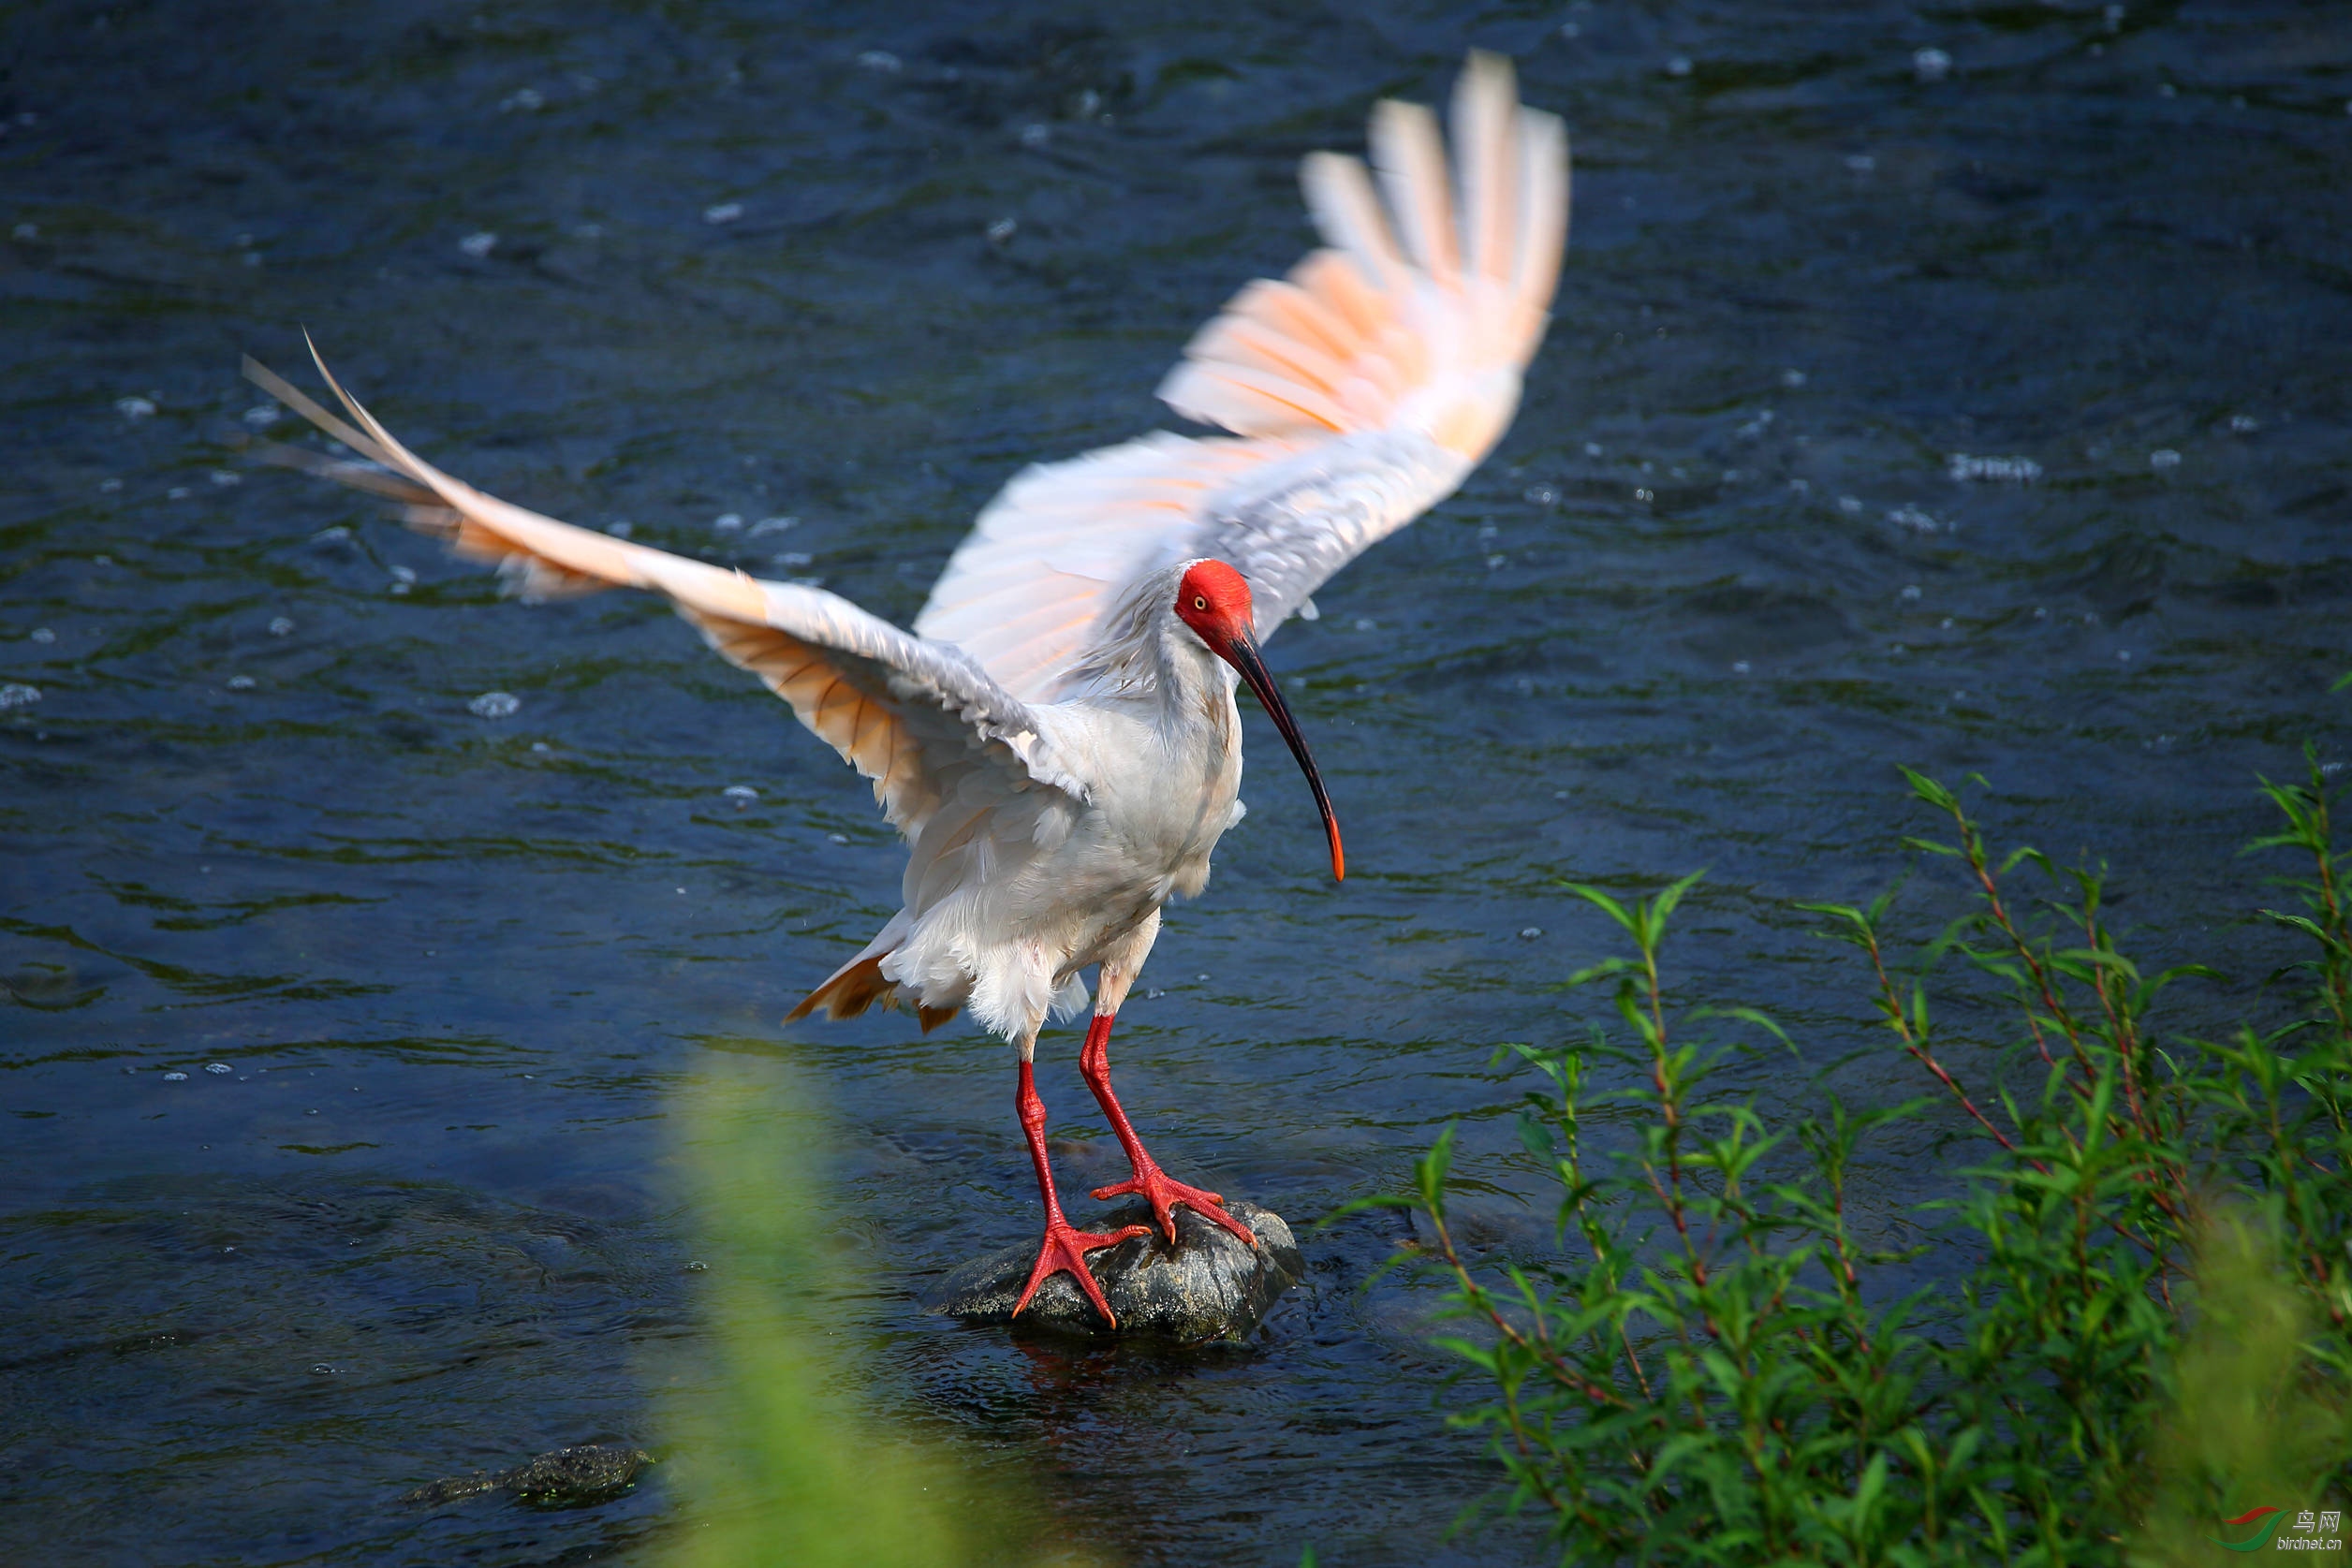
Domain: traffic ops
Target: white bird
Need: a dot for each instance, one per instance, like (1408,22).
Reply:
(1057,738)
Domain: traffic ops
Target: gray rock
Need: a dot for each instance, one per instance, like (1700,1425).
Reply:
(567,1478)
(1208,1286)
(433,1493)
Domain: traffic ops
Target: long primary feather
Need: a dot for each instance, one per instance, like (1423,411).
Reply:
(914,716)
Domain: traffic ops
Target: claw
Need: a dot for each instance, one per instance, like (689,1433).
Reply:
(1152,1183)
(1149,1181)
(1064,1250)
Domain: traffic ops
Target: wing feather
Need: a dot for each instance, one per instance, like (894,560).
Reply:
(1340,199)
(1486,152)
(1410,160)
(1360,392)
(1543,207)
(1243,397)
(1024,588)
(919,718)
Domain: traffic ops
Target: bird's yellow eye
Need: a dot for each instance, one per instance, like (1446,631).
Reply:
(1199,603)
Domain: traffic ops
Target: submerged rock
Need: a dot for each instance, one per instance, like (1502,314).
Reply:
(1208,1286)
(567,1478)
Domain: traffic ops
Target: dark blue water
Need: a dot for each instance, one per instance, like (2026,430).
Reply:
(1718,582)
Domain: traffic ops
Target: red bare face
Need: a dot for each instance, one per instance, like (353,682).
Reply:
(1213,600)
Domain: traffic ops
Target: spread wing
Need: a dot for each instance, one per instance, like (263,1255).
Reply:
(916,717)
(1360,392)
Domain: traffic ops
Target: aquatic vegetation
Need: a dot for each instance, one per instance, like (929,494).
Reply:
(2135,1345)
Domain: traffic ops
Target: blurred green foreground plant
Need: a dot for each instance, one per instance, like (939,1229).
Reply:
(2144,1321)
(778,1458)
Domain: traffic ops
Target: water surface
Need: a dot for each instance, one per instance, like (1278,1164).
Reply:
(1718,581)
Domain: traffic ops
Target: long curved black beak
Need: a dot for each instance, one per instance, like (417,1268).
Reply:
(1242,653)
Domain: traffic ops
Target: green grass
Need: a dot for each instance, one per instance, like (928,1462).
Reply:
(2141,1327)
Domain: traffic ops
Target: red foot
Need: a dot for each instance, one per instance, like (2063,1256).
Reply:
(1149,1181)
(1064,1250)
(1152,1182)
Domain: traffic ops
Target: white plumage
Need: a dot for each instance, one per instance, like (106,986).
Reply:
(1364,388)
(1058,741)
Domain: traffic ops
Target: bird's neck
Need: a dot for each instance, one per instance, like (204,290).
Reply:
(1146,657)
(1195,687)
(1155,666)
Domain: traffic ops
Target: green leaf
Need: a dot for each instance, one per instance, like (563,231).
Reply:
(1358,1206)
(1929,790)
(1430,1169)
(1601,971)
(1478,1355)
(1666,901)
(1606,905)
(1755,1016)
(2024,854)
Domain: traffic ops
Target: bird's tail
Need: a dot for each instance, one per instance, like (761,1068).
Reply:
(859,984)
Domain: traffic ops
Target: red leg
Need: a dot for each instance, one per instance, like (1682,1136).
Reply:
(1064,1247)
(1149,1181)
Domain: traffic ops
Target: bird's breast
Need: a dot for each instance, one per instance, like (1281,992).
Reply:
(1164,796)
